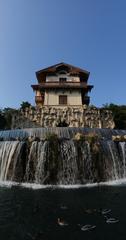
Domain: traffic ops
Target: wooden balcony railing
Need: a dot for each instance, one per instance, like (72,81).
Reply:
(86,100)
(39,99)
(54,85)
(63,84)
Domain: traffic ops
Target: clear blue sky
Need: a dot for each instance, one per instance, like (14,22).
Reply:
(90,34)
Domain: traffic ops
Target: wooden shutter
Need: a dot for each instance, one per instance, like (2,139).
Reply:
(63,99)
(62,80)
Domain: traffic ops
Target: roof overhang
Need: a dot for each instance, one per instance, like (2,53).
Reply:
(41,74)
(62,86)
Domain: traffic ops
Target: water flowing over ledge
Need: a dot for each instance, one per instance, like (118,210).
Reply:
(62,132)
(63,160)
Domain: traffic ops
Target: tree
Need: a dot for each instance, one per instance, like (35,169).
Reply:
(7,113)
(119,114)
(25,105)
(2,121)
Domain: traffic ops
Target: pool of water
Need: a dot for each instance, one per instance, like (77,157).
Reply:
(27,213)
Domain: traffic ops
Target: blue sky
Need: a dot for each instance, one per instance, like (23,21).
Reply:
(90,34)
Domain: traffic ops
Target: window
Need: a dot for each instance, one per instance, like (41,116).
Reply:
(62,79)
(63,100)
(62,72)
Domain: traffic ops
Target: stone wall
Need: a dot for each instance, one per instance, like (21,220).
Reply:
(82,116)
(19,121)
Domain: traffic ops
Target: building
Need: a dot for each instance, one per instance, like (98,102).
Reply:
(62,85)
(62,100)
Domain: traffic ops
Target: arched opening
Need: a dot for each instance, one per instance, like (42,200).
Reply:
(62,124)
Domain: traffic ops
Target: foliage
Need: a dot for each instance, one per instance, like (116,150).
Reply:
(91,137)
(2,121)
(79,137)
(25,105)
(6,118)
(51,137)
(32,108)
(119,114)
(119,138)
(92,106)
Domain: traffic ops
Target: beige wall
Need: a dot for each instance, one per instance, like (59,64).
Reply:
(73,98)
(52,97)
(56,78)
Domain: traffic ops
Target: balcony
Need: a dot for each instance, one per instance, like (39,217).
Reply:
(50,85)
(86,100)
(39,99)
(63,85)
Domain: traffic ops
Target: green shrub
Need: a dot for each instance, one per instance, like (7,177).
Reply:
(119,114)
(51,137)
(90,137)
(25,105)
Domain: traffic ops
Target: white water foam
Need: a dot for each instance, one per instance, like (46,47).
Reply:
(34,186)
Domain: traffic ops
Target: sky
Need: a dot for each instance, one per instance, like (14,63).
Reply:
(35,34)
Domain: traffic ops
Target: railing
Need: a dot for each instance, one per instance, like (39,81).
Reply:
(63,84)
(86,100)
(39,99)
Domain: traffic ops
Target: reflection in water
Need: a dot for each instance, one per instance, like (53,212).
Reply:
(111,220)
(61,222)
(88,227)
(105,211)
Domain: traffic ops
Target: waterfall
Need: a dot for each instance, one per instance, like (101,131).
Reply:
(9,155)
(64,160)
(115,161)
(68,171)
(123,158)
(36,160)
(62,132)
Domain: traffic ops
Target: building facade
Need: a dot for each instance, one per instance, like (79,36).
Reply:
(62,100)
(62,85)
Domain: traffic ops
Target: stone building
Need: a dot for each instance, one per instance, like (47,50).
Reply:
(62,85)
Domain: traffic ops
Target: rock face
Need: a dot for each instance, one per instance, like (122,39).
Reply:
(82,116)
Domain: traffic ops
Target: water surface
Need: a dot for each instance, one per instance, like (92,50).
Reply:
(27,213)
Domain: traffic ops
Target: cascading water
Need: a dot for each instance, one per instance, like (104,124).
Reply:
(62,132)
(115,160)
(10,153)
(64,160)
(122,146)
(35,169)
(68,170)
